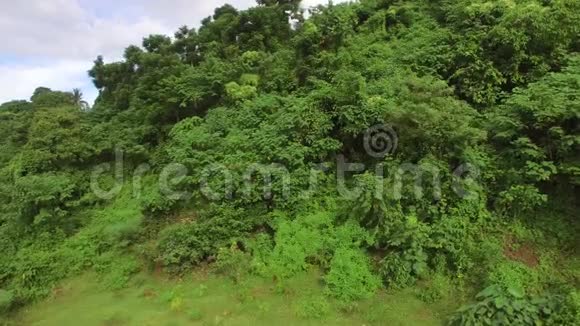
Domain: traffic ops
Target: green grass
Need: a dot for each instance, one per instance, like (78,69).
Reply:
(213,300)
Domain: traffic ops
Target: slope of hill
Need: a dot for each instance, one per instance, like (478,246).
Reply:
(421,155)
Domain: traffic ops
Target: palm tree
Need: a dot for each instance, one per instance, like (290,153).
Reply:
(78,100)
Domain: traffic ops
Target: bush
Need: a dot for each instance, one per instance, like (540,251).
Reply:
(183,246)
(299,243)
(260,248)
(39,270)
(350,277)
(567,310)
(396,272)
(155,203)
(233,262)
(515,275)
(311,239)
(498,306)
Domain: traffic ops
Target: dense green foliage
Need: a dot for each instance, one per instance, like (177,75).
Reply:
(484,99)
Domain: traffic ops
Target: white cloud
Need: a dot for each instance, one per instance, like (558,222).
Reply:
(52,43)
(19,81)
(62,29)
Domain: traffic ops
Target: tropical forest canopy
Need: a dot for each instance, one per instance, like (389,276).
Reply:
(481,96)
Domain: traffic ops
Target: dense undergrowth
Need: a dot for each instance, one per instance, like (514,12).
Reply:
(473,195)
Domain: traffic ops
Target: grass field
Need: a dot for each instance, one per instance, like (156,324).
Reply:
(212,300)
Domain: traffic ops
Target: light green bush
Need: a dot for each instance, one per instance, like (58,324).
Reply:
(396,272)
(350,277)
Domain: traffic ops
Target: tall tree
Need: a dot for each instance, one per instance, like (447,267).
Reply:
(78,100)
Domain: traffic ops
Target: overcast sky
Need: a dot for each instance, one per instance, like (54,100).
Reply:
(53,43)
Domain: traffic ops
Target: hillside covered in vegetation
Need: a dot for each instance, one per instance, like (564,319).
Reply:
(426,150)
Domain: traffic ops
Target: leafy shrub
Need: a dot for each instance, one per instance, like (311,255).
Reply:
(39,270)
(41,263)
(350,277)
(299,243)
(498,306)
(40,199)
(311,239)
(438,287)
(567,311)
(260,248)
(155,203)
(396,272)
(459,243)
(233,262)
(515,275)
(411,238)
(520,199)
(183,246)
